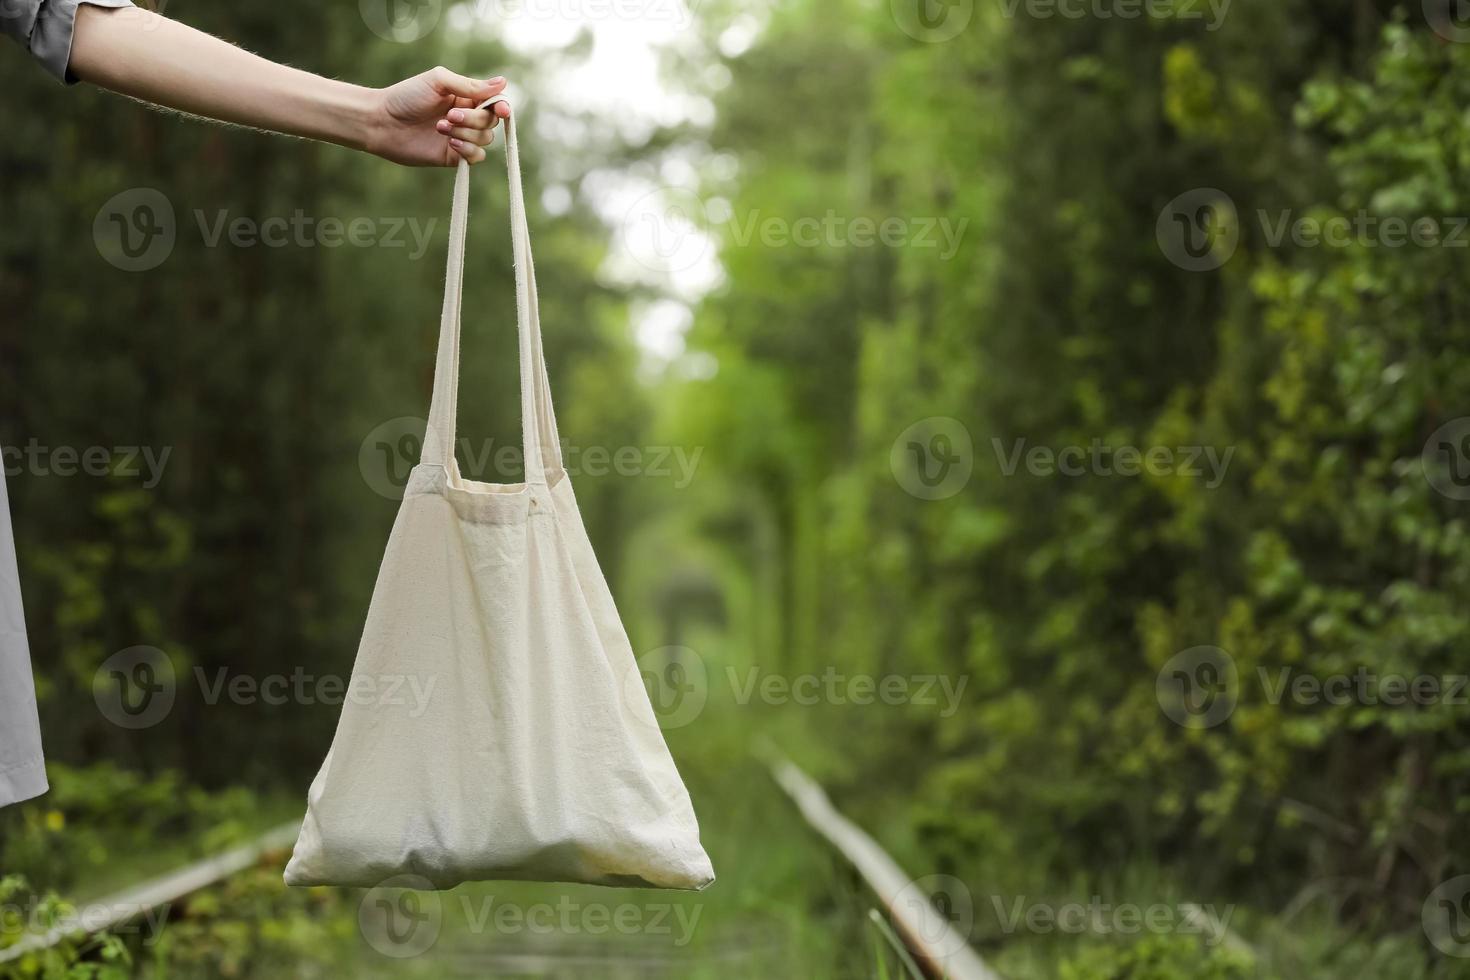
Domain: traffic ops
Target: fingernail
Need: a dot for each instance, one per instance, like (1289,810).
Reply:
(442,125)
(496,80)
(457,144)
(456,115)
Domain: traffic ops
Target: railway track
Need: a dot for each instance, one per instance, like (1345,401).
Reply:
(156,895)
(924,940)
(935,946)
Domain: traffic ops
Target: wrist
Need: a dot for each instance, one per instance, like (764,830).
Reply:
(354,111)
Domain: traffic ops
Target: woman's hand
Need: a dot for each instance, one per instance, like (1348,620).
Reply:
(430,120)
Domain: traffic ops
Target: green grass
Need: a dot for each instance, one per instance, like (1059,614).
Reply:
(783,905)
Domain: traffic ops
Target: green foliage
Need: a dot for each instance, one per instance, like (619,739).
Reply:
(1158,958)
(260,372)
(24,912)
(1316,371)
(96,816)
(252,925)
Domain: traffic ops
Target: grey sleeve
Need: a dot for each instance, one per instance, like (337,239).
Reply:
(44,28)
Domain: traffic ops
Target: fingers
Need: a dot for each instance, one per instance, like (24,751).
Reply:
(469,129)
(475,137)
(471,152)
(453,83)
(470,118)
(476,127)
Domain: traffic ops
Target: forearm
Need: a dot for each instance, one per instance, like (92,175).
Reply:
(138,53)
(429,120)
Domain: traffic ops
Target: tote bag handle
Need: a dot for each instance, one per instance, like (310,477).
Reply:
(539,436)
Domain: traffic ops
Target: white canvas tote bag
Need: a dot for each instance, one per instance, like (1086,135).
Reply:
(531,756)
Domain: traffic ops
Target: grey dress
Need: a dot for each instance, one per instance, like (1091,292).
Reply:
(44,27)
(22,773)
